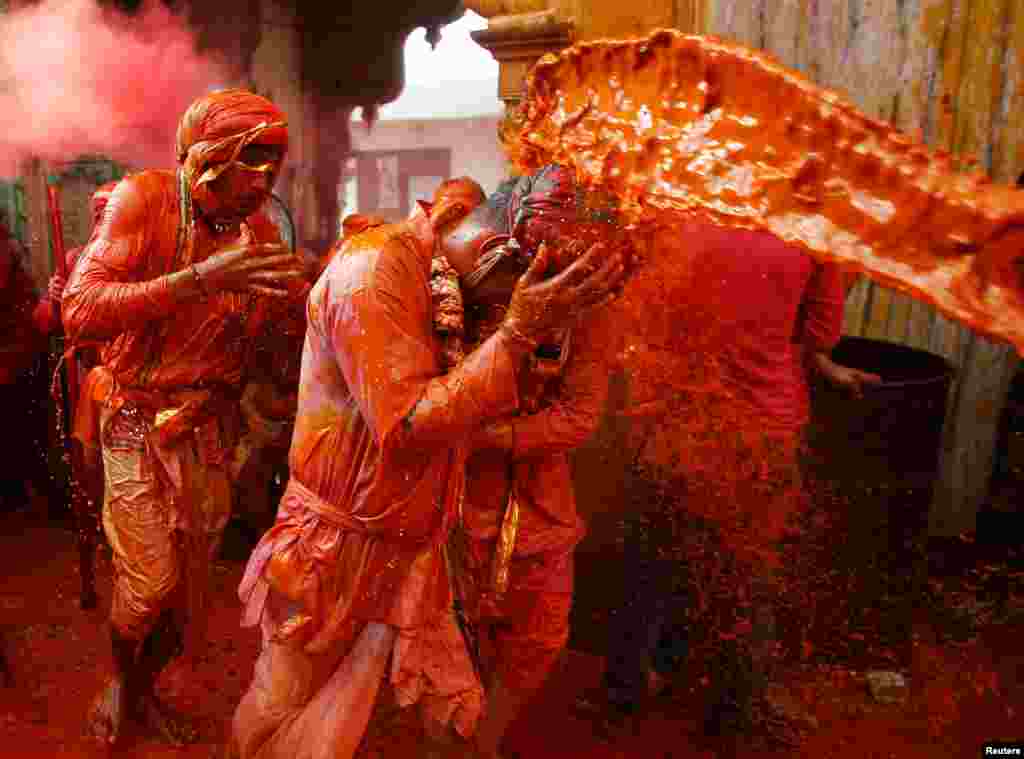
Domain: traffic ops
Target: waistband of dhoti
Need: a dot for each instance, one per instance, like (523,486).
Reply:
(154,400)
(327,511)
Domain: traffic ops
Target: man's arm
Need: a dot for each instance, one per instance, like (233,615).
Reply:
(105,295)
(380,329)
(822,309)
(823,326)
(574,416)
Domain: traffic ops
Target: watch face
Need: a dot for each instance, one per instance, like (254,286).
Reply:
(282,219)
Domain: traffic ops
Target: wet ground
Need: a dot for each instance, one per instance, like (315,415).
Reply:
(966,674)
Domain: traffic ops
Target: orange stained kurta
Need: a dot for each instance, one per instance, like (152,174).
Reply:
(353,225)
(570,411)
(372,492)
(154,342)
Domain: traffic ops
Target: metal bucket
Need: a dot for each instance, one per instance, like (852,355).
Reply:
(892,435)
(878,456)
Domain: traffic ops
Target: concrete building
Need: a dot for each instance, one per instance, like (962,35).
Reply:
(444,124)
(400,161)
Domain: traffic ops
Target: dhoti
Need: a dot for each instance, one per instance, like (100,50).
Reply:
(164,529)
(316,701)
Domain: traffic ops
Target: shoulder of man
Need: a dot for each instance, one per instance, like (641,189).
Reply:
(147,182)
(136,193)
(382,256)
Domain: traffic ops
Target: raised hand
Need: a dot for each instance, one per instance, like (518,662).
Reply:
(540,304)
(55,288)
(248,266)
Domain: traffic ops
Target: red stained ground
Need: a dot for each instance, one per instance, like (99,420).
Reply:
(961,693)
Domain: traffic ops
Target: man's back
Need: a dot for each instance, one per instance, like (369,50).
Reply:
(772,303)
(377,505)
(336,447)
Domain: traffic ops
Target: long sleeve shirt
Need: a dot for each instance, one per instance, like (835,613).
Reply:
(539,465)
(118,295)
(375,457)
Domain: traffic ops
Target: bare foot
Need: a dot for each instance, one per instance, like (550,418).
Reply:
(108,712)
(171,726)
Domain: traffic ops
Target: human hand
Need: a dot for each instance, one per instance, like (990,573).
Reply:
(55,288)
(248,266)
(847,378)
(540,303)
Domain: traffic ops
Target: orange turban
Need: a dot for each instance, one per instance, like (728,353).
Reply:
(211,134)
(217,126)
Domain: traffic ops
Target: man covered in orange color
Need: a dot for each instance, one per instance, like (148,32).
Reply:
(170,286)
(350,586)
(519,524)
(269,406)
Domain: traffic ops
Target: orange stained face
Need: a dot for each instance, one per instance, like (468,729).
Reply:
(244,186)
(464,247)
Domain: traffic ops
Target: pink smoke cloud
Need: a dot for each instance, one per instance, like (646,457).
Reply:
(78,79)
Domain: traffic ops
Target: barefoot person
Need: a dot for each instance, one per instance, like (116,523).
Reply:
(170,284)
(519,520)
(350,586)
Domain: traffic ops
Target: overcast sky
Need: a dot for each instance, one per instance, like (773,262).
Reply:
(458,79)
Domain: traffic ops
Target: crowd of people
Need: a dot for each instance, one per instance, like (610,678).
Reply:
(427,381)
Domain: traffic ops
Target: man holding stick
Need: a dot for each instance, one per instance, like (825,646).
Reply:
(169,285)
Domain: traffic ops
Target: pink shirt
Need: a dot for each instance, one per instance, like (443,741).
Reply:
(777,305)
